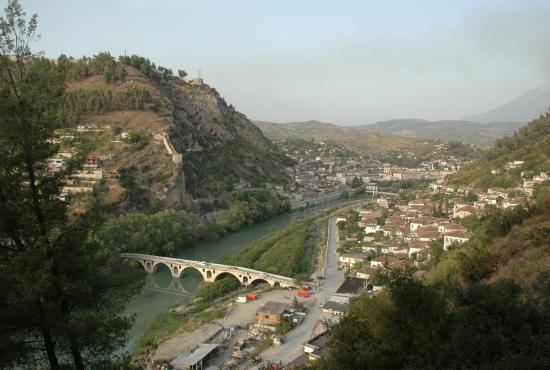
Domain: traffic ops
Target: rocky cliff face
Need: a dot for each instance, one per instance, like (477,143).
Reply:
(219,143)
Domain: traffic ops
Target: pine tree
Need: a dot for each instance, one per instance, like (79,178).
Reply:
(60,294)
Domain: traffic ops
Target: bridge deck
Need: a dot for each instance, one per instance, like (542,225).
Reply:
(217,266)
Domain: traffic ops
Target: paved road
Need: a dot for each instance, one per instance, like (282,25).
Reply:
(311,325)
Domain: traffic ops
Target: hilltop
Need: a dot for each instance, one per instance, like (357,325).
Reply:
(162,139)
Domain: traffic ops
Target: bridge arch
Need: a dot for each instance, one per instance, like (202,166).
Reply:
(149,266)
(258,281)
(228,273)
(199,270)
(162,265)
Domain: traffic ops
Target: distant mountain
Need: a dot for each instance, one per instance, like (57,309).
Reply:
(464,131)
(524,108)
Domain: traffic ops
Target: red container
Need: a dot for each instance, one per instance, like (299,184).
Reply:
(303,293)
(251,297)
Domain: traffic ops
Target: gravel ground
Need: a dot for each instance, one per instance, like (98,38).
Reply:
(184,341)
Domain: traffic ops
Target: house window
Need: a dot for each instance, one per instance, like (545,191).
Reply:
(266,316)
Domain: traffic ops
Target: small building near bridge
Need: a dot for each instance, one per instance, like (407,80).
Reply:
(271,313)
(196,359)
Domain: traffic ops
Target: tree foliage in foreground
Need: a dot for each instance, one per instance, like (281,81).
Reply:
(418,326)
(62,292)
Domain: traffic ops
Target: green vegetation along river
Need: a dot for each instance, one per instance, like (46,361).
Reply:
(161,291)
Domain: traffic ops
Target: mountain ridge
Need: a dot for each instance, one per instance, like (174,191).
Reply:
(526,107)
(459,130)
(414,128)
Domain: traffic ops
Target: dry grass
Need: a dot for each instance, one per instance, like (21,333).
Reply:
(524,253)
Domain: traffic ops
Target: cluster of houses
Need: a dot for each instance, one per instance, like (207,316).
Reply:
(79,181)
(395,173)
(327,176)
(410,229)
(399,235)
(504,198)
(90,173)
(333,172)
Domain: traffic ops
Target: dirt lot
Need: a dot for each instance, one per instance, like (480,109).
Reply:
(181,342)
(240,314)
(245,313)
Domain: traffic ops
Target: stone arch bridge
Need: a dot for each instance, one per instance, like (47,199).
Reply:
(209,271)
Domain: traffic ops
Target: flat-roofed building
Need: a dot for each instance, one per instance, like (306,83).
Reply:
(196,359)
(271,313)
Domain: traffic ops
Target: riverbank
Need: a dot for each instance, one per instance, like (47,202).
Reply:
(291,251)
(163,293)
(184,326)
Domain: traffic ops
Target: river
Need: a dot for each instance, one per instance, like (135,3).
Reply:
(161,291)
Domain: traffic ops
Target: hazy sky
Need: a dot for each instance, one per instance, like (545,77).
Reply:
(336,61)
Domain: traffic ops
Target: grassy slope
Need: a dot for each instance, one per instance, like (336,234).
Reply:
(154,164)
(290,251)
(525,252)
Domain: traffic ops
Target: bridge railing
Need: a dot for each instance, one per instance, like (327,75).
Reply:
(210,265)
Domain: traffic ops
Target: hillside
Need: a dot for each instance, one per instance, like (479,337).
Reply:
(524,108)
(363,138)
(359,139)
(529,144)
(394,149)
(163,141)
(464,131)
